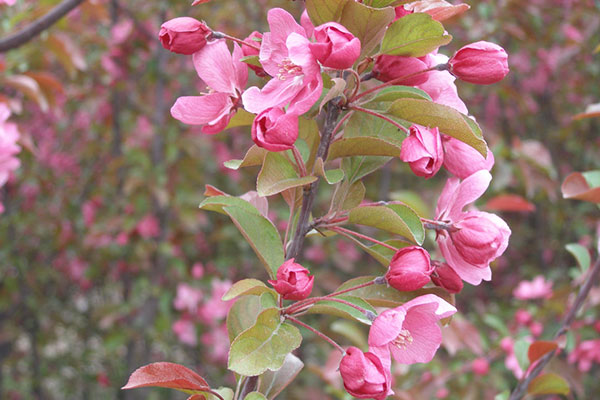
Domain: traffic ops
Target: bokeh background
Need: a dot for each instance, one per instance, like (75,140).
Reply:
(106,263)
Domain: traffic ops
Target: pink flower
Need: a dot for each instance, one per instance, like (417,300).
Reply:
(387,68)
(364,375)
(445,277)
(253,39)
(307,24)
(187,298)
(480,366)
(409,333)
(183,35)
(9,135)
(185,331)
(286,56)
(217,343)
(474,238)
(538,288)
(461,160)
(422,150)
(440,84)
(216,309)
(148,227)
(585,354)
(335,47)
(275,130)
(409,269)
(226,77)
(481,62)
(511,362)
(293,281)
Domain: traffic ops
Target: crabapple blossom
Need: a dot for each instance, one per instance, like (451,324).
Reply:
(275,130)
(293,281)
(462,160)
(387,68)
(445,277)
(183,35)
(409,269)
(481,62)
(364,375)
(334,46)
(9,135)
(187,298)
(422,150)
(585,354)
(480,366)
(538,288)
(253,39)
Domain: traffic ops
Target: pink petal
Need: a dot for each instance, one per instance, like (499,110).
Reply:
(214,65)
(444,202)
(200,110)
(442,308)
(421,322)
(275,93)
(386,326)
(240,69)
(470,273)
(282,24)
(468,191)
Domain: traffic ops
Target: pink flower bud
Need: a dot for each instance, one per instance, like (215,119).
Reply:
(253,39)
(481,62)
(423,151)
(523,317)
(461,160)
(387,68)
(447,278)
(335,46)
(409,269)
(401,12)
(183,35)
(364,375)
(480,366)
(293,282)
(480,237)
(275,130)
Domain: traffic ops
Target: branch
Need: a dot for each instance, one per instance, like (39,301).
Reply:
(521,388)
(38,26)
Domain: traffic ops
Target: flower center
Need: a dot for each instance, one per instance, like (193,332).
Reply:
(288,69)
(403,339)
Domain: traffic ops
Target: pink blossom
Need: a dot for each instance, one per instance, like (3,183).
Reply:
(481,62)
(216,341)
(197,270)
(148,227)
(538,288)
(364,375)
(253,40)
(286,56)
(183,35)
(440,84)
(510,362)
(474,238)
(8,2)
(9,135)
(409,333)
(387,68)
(334,46)
(216,309)
(226,78)
(585,354)
(409,269)
(293,281)
(187,298)
(462,160)
(422,150)
(307,24)
(185,331)
(480,366)
(275,130)
(445,277)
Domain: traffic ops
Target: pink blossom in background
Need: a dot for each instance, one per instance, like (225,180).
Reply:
(226,78)
(89,210)
(185,331)
(409,333)
(215,309)
(315,253)
(586,354)
(187,298)
(538,288)
(8,2)
(148,227)
(442,393)
(121,31)
(9,135)
(216,341)
(480,366)
(197,270)
(510,362)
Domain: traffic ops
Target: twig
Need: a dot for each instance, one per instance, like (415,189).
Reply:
(318,333)
(38,26)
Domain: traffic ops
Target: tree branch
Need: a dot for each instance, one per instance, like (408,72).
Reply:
(38,26)
(521,388)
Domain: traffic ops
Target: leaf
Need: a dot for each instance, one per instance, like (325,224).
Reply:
(362,146)
(355,195)
(549,383)
(246,287)
(440,10)
(366,23)
(166,375)
(332,176)
(539,349)
(254,156)
(394,218)
(350,331)
(225,392)
(338,89)
(321,11)
(278,174)
(398,92)
(582,186)
(447,119)
(343,310)
(29,87)
(509,203)
(255,396)
(264,346)
(273,382)
(581,254)
(308,130)
(357,168)
(242,315)
(521,347)
(241,118)
(262,236)
(414,35)
(218,203)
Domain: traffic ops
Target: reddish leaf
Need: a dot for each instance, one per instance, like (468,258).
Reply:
(167,375)
(196,2)
(211,191)
(439,10)
(509,202)
(577,187)
(540,348)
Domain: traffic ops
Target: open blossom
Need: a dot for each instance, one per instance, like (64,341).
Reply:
(187,298)
(538,288)
(286,56)
(409,269)
(423,151)
(226,78)
(185,330)
(364,375)
(293,281)
(275,130)
(462,160)
(585,354)
(481,62)
(334,46)
(215,309)
(409,333)
(440,84)
(254,39)
(183,35)
(475,238)
(9,135)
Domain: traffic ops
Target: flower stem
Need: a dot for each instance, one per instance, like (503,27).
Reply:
(221,35)
(346,232)
(318,333)
(339,124)
(383,117)
(299,161)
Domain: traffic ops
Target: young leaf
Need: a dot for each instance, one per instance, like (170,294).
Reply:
(362,146)
(368,24)
(321,11)
(218,203)
(358,167)
(254,156)
(166,375)
(521,347)
(394,218)
(273,382)
(398,92)
(549,383)
(277,175)
(539,349)
(414,35)
(242,315)
(255,396)
(582,186)
(332,176)
(246,287)
(264,346)
(581,254)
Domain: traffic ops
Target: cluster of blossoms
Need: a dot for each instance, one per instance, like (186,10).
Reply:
(9,135)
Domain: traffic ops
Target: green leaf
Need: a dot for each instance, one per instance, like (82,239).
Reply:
(357,168)
(241,117)
(242,315)
(255,396)
(332,176)
(254,156)
(308,130)
(273,382)
(262,236)
(278,174)
(581,254)
(225,392)
(246,287)
(503,396)
(414,35)
(394,218)
(350,331)
(447,119)
(268,299)
(368,24)
(264,346)
(398,92)
(384,3)
(343,310)
(355,195)
(362,124)
(218,203)
(362,146)
(321,11)
(549,383)
(521,348)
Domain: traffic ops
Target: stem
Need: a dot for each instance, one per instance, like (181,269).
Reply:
(221,35)
(357,87)
(215,394)
(250,385)
(521,388)
(299,161)
(383,117)
(344,232)
(300,308)
(340,123)
(38,26)
(318,333)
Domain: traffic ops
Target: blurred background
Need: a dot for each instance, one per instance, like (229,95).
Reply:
(107,264)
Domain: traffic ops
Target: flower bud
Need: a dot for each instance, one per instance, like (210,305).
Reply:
(481,62)
(335,46)
(364,375)
(293,282)
(461,160)
(409,269)
(275,130)
(387,68)
(255,40)
(480,366)
(480,237)
(183,35)
(447,278)
(423,151)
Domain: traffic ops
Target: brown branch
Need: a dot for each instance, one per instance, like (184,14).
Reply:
(521,388)
(23,36)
